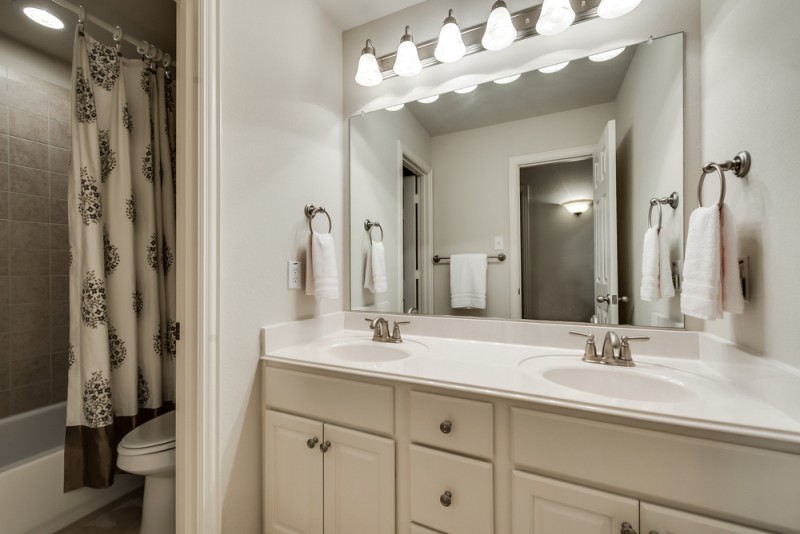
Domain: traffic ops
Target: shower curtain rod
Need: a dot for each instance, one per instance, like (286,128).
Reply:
(143,47)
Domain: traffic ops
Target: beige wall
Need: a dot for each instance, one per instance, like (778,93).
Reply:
(281,147)
(750,80)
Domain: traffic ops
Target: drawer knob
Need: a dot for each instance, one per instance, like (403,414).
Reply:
(446,426)
(312,442)
(626,528)
(325,446)
(446,499)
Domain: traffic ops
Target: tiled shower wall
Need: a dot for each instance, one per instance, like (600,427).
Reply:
(34,294)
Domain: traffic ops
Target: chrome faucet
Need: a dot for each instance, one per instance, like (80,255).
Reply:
(616,350)
(381,328)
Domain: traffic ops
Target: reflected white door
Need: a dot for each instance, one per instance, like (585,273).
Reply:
(410,244)
(605,227)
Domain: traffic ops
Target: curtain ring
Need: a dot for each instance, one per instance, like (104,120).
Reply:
(314,212)
(653,204)
(117,35)
(81,18)
(707,169)
(142,50)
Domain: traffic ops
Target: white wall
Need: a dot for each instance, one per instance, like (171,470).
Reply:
(375,166)
(281,148)
(649,142)
(750,80)
(19,58)
(471,195)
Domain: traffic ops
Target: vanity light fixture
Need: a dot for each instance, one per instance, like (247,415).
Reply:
(450,47)
(554,68)
(507,79)
(398,107)
(500,31)
(428,99)
(465,90)
(608,54)
(556,16)
(369,73)
(611,9)
(44,17)
(407,61)
(577,207)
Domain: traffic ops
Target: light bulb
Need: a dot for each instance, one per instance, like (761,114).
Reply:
(553,68)
(555,17)
(608,54)
(398,107)
(407,61)
(368,73)
(465,90)
(450,46)
(43,17)
(507,79)
(500,31)
(610,9)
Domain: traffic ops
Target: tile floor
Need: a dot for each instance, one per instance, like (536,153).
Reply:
(122,516)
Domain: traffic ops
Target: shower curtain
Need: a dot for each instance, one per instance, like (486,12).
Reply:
(122,262)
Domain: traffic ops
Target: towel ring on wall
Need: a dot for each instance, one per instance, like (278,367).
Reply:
(311,211)
(653,204)
(739,165)
(369,225)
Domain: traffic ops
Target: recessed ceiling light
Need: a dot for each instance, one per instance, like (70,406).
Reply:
(508,79)
(465,90)
(43,17)
(609,54)
(398,107)
(554,68)
(428,99)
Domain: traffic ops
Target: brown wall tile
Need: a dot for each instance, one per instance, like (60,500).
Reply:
(4,176)
(3,119)
(26,317)
(59,288)
(28,126)
(23,96)
(28,153)
(4,346)
(58,186)
(3,205)
(5,290)
(29,344)
(3,86)
(29,208)
(59,236)
(29,235)
(5,403)
(30,371)
(59,262)
(30,289)
(58,211)
(4,234)
(59,311)
(30,262)
(59,366)
(59,339)
(3,148)
(60,134)
(59,160)
(60,108)
(5,256)
(5,373)
(29,181)
(30,397)
(4,319)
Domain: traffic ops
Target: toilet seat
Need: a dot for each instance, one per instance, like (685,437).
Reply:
(154,436)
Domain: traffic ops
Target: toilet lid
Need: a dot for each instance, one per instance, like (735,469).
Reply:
(156,433)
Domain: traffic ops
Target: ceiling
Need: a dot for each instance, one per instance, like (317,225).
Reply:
(351,13)
(582,83)
(150,20)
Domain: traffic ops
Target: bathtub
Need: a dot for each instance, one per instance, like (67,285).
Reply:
(32,499)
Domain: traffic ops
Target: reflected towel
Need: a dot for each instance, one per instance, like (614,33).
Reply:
(375,271)
(322,278)
(468,281)
(732,296)
(649,290)
(665,284)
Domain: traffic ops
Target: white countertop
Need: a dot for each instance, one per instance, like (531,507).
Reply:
(719,394)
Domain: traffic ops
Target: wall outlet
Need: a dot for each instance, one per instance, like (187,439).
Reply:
(498,242)
(293,275)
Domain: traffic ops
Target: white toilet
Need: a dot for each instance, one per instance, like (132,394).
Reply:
(149,451)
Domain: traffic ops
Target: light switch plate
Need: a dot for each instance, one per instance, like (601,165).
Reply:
(293,274)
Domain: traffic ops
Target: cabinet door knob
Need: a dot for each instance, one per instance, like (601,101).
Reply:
(446,426)
(312,442)
(446,498)
(626,528)
(327,445)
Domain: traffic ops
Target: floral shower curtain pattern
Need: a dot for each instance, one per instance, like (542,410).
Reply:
(122,264)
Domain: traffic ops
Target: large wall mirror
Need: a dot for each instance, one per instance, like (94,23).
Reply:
(552,175)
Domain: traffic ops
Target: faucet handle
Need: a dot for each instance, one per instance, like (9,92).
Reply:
(590,351)
(396,337)
(625,355)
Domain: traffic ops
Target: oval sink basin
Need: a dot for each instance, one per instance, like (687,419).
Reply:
(366,350)
(643,383)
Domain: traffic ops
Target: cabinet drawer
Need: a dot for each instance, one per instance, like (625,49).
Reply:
(450,423)
(418,529)
(335,400)
(471,500)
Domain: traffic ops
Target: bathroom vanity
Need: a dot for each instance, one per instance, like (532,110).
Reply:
(440,434)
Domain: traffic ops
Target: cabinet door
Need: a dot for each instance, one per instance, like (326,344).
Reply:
(292,475)
(359,482)
(546,506)
(660,520)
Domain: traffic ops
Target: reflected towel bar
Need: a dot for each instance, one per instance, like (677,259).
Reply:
(500,257)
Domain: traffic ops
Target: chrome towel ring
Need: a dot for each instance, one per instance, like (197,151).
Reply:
(739,165)
(311,211)
(653,204)
(369,225)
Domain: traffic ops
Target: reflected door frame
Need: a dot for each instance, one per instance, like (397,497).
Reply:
(515,164)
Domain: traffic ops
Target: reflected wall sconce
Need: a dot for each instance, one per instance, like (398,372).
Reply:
(576,207)
(500,31)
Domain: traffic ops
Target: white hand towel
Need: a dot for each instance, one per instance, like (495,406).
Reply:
(322,278)
(701,296)
(732,297)
(468,281)
(665,285)
(649,290)
(375,271)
